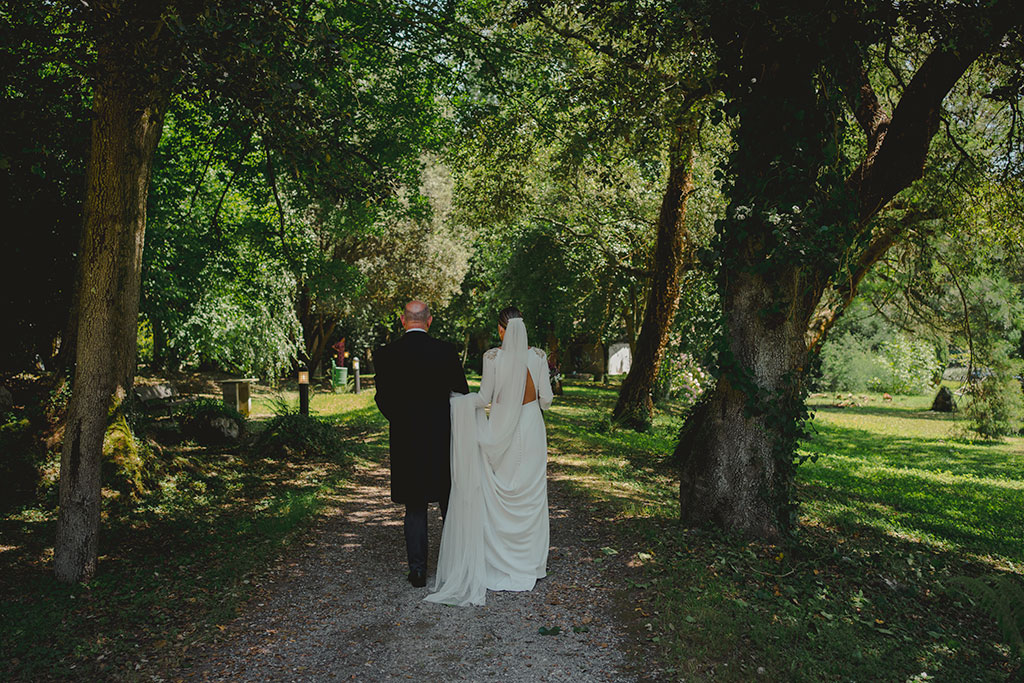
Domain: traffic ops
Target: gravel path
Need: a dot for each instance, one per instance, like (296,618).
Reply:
(339,608)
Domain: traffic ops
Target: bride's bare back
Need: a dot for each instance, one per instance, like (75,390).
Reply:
(530,394)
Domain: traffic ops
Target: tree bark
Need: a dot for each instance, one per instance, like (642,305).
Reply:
(730,474)
(127,120)
(635,407)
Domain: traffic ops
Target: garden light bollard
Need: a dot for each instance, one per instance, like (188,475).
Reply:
(355,369)
(304,392)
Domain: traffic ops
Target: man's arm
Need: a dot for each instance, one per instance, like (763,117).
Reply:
(382,383)
(458,382)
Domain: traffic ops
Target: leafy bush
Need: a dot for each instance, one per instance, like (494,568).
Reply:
(301,436)
(909,366)
(196,417)
(847,364)
(996,407)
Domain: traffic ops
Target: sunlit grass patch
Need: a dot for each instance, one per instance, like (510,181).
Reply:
(893,508)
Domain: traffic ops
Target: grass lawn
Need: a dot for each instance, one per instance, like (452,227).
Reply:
(892,509)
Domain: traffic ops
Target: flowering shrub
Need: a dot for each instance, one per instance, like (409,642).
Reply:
(680,378)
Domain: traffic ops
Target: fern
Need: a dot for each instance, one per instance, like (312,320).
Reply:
(1002,596)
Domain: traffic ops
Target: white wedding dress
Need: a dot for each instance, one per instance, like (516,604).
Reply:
(496,532)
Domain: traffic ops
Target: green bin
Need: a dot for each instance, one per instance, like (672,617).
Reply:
(339,378)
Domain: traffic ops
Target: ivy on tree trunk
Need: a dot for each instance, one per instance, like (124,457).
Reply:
(798,232)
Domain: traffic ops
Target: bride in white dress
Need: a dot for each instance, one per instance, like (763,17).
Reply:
(496,532)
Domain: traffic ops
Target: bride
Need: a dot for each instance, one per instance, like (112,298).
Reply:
(496,533)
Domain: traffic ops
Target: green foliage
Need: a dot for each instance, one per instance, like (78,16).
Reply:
(680,379)
(244,324)
(909,366)
(1002,597)
(195,417)
(866,352)
(296,436)
(847,364)
(44,135)
(144,342)
(995,407)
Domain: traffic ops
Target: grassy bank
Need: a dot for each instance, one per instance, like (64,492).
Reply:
(893,508)
(174,565)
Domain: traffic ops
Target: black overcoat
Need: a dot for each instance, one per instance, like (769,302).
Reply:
(414,377)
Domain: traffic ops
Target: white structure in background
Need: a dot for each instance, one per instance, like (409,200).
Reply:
(619,359)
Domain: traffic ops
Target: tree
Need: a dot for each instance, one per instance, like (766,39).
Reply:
(594,85)
(296,74)
(802,215)
(654,72)
(635,405)
(130,91)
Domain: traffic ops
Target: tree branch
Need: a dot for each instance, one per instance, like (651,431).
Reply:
(272,179)
(844,292)
(898,159)
(866,108)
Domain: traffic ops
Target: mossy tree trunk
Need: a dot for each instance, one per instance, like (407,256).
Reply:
(128,113)
(635,406)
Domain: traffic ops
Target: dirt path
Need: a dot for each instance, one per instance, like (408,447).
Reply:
(341,609)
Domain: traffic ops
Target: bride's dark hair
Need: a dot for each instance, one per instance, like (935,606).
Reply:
(507,314)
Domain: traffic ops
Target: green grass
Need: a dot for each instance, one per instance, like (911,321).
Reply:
(898,471)
(174,565)
(321,402)
(893,508)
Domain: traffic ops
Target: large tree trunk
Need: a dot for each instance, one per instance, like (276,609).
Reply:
(126,127)
(733,452)
(635,406)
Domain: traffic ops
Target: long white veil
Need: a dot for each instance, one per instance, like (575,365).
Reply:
(461,574)
(495,434)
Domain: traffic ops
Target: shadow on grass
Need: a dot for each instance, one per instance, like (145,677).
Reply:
(172,564)
(887,520)
(937,455)
(882,411)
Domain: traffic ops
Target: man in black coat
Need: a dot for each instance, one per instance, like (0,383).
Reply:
(414,377)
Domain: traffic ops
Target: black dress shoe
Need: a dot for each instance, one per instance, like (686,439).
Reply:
(418,578)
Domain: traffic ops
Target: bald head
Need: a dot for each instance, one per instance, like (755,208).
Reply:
(416,315)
